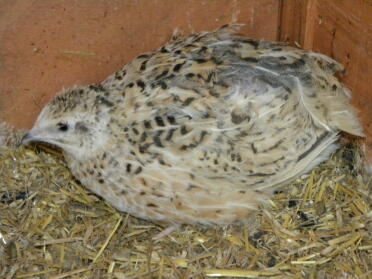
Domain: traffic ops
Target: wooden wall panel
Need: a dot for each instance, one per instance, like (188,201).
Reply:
(293,16)
(47,45)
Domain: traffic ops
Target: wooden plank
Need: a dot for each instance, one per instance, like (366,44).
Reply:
(311,18)
(293,15)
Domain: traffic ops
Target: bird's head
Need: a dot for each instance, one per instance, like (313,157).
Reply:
(75,121)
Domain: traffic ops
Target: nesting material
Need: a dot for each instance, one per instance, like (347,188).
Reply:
(320,226)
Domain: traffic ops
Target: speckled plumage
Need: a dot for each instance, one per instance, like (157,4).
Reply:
(202,129)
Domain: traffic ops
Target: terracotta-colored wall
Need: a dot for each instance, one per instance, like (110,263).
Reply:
(50,44)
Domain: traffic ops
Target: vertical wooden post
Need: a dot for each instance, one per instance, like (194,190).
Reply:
(311,17)
(292,21)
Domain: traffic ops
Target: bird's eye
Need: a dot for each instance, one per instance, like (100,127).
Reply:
(62,126)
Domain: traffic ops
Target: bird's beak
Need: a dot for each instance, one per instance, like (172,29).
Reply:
(28,137)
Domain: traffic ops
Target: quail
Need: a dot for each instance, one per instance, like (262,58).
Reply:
(203,129)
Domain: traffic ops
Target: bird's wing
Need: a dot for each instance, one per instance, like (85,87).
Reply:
(251,112)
